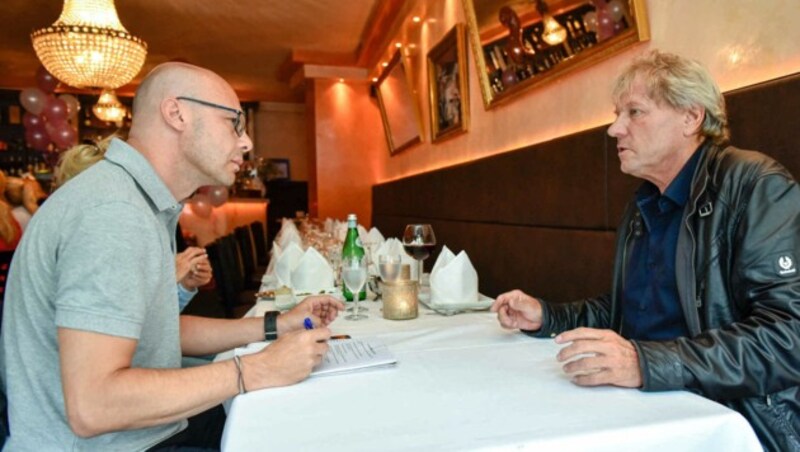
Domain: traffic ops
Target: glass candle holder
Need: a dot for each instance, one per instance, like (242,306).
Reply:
(400,300)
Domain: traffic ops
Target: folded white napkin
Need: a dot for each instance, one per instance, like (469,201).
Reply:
(374,237)
(329,224)
(340,230)
(286,263)
(453,279)
(290,235)
(393,247)
(273,261)
(312,273)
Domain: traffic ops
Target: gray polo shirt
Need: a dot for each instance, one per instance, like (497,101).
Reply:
(98,256)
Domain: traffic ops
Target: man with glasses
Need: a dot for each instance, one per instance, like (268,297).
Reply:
(91,342)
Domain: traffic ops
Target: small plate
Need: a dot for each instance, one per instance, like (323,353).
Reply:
(302,294)
(482,304)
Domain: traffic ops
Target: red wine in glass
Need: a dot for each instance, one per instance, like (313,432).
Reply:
(418,242)
(419,252)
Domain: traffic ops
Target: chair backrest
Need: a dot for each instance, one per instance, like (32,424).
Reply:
(244,239)
(260,242)
(225,264)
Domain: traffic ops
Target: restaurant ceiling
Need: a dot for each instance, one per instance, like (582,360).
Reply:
(255,44)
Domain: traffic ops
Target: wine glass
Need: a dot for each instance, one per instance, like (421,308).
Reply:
(354,275)
(389,267)
(418,242)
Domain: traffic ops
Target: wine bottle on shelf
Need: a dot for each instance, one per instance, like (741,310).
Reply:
(352,247)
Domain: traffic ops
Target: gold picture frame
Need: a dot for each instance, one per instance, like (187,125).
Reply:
(510,63)
(448,83)
(400,112)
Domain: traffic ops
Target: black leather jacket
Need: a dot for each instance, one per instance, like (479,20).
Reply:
(739,284)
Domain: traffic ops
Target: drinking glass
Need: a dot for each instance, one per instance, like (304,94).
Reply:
(389,267)
(418,242)
(354,275)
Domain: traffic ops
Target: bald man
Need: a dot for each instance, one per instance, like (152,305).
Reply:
(91,343)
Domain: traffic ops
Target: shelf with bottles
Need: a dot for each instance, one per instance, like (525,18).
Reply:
(538,56)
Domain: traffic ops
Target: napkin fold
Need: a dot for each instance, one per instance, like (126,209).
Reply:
(393,247)
(453,279)
(312,273)
(290,235)
(287,261)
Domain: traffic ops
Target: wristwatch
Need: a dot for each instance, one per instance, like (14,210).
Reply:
(271,325)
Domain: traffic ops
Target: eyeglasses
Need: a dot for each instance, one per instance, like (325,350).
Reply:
(238,121)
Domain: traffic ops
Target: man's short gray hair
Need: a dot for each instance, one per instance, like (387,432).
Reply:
(681,83)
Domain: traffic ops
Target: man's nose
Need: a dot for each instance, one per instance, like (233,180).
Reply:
(246,143)
(615,129)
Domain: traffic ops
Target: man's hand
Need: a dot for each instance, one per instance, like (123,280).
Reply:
(322,309)
(518,310)
(286,361)
(605,358)
(192,268)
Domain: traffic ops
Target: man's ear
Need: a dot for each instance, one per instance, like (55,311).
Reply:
(173,115)
(693,120)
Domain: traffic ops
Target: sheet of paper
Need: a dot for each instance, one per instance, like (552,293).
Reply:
(344,355)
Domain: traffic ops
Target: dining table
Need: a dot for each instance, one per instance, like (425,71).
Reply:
(461,382)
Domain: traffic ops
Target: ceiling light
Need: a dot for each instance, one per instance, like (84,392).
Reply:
(398,45)
(108,108)
(88,46)
(416,19)
(384,64)
(374,79)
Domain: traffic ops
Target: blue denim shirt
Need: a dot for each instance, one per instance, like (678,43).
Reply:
(651,306)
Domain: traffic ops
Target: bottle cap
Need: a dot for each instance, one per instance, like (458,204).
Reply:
(351,216)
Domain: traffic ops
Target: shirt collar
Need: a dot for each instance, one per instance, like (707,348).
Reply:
(678,189)
(133,162)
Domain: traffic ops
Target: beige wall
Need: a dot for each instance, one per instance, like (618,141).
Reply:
(762,34)
(349,139)
(280,130)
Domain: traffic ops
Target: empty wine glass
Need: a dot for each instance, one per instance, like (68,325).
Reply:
(389,267)
(418,242)
(354,275)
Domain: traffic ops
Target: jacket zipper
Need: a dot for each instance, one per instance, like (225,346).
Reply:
(631,228)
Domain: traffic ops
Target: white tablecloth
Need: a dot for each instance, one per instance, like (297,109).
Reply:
(463,383)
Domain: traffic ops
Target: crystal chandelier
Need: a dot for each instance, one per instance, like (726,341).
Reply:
(88,46)
(108,108)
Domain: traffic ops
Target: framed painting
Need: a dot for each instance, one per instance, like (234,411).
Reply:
(449,85)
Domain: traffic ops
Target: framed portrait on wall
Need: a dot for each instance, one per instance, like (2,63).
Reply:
(448,85)
(278,169)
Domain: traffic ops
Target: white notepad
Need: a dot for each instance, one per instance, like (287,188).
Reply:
(344,355)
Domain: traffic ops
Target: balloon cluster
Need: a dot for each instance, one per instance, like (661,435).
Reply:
(206,198)
(606,20)
(48,118)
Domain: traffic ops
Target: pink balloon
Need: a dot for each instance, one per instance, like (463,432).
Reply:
(33,100)
(201,205)
(37,138)
(605,24)
(64,136)
(45,81)
(31,120)
(218,194)
(72,103)
(55,110)
(616,9)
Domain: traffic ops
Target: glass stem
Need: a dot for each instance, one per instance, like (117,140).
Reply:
(419,273)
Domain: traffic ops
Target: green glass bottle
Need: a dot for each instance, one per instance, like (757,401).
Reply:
(352,247)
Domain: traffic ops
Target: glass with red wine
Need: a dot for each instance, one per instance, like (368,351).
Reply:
(418,242)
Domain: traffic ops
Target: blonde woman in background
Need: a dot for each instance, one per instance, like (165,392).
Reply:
(10,230)
(192,268)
